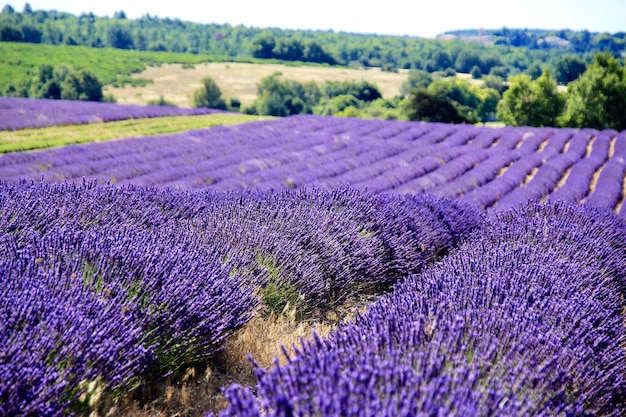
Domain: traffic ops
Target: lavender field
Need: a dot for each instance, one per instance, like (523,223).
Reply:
(495,168)
(24,113)
(497,257)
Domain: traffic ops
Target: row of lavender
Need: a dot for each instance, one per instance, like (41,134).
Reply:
(26,113)
(493,168)
(524,319)
(106,288)
(93,298)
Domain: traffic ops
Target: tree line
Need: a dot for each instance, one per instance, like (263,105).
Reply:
(520,80)
(577,41)
(512,52)
(595,99)
(281,97)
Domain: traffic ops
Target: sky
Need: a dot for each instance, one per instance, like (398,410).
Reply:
(385,17)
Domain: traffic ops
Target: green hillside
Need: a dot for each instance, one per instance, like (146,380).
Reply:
(110,65)
(513,49)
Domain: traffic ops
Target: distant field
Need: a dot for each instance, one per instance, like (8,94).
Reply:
(56,136)
(108,64)
(239,80)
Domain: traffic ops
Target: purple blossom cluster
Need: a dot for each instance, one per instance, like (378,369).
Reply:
(26,113)
(122,284)
(114,285)
(92,291)
(524,319)
(493,168)
(329,245)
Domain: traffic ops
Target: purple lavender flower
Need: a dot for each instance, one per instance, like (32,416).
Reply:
(28,113)
(524,319)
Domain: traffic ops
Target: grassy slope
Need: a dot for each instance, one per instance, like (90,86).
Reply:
(16,59)
(176,83)
(57,136)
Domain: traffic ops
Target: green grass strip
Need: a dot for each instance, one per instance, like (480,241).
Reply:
(19,60)
(57,136)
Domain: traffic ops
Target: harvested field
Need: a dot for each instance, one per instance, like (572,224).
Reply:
(239,80)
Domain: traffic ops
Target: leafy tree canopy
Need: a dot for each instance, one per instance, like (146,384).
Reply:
(429,107)
(278,97)
(290,49)
(531,103)
(597,98)
(58,83)
(417,79)
(361,90)
(209,95)
(568,69)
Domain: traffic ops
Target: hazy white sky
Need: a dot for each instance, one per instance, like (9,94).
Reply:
(393,17)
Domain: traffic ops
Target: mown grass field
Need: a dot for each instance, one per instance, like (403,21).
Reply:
(176,83)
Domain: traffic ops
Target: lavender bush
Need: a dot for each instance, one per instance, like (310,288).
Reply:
(495,169)
(329,245)
(524,319)
(103,295)
(121,285)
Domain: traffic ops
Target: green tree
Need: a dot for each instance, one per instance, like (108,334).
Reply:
(119,36)
(489,99)
(313,52)
(476,72)
(383,109)
(440,60)
(10,33)
(516,104)
(497,83)
(334,105)
(289,50)
(58,83)
(362,90)
(428,107)
(568,69)
(22,89)
(417,79)
(31,34)
(467,59)
(597,98)
(460,94)
(61,72)
(91,87)
(44,84)
(209,95)
(534,71)
(499,71)
(277,97)
(263,46)
(548,99)
(531,103)
(80,86)
(71,88)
